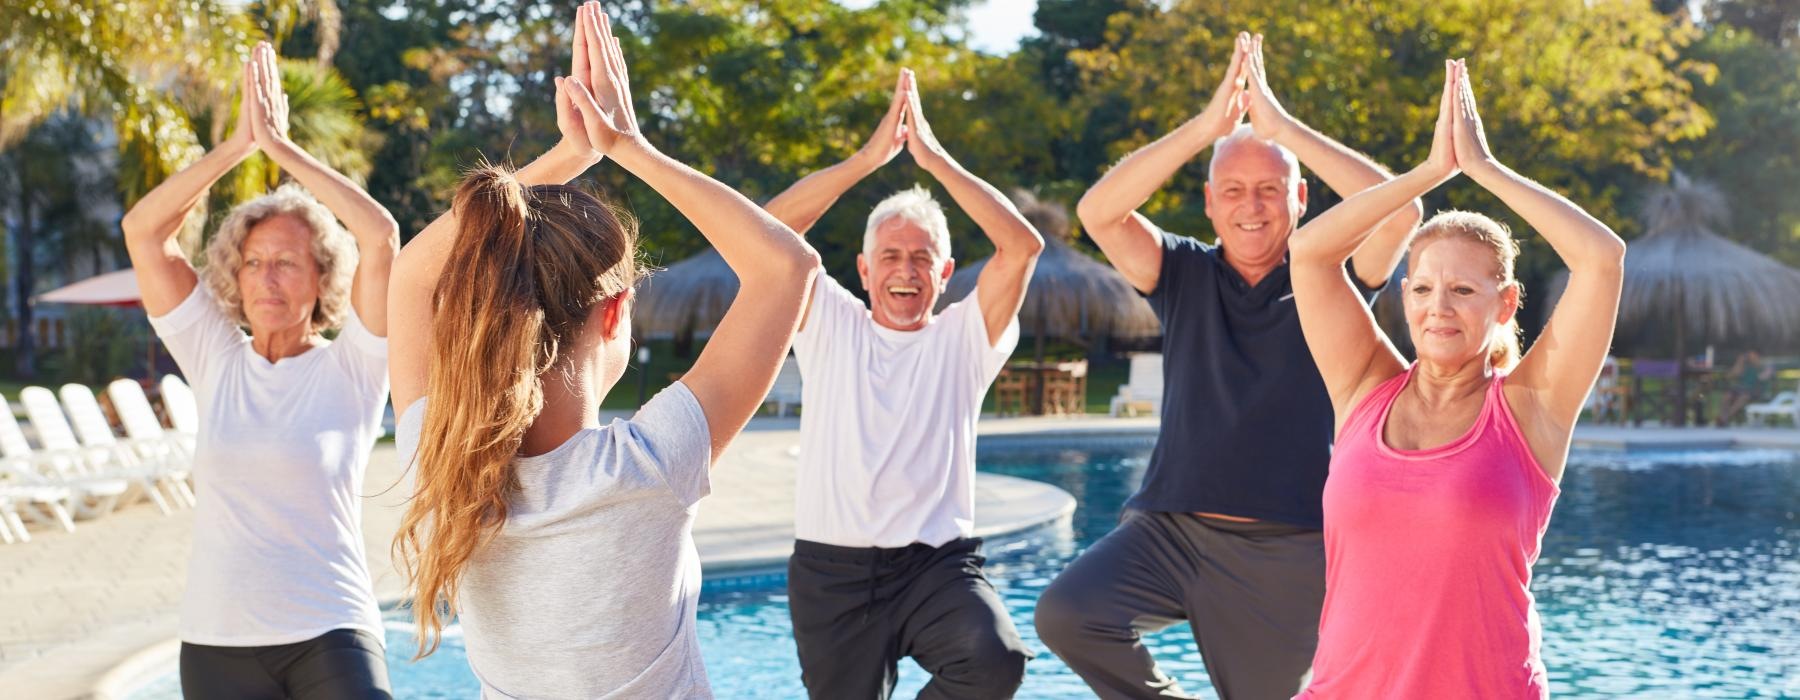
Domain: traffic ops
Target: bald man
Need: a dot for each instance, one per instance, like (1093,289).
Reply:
(1225,531)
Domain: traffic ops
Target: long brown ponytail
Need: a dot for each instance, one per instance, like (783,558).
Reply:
(528,266)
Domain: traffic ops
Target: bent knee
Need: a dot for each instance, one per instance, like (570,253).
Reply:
(1059,616)
(991,668)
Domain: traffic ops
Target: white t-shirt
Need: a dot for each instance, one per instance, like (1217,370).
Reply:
(591,588)
(278,465)
(887,437)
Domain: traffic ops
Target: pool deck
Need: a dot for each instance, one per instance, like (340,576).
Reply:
(89,614)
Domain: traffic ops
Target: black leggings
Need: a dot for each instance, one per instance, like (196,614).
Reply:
(342,663)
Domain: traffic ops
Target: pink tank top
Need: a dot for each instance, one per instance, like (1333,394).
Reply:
(1428,558)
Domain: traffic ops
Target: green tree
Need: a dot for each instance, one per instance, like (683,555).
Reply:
(1591,99)
(59,179)
(1776,22)
(143,65)
(1753,154)
(164,75)
(757,93)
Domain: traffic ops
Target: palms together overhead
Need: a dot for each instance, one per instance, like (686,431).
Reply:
(593,104)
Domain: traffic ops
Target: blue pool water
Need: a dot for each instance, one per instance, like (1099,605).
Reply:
(1664,575)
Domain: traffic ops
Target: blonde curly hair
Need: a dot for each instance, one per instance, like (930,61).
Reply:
(333,248)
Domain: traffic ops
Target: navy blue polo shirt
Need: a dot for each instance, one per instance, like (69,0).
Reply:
(1246,421)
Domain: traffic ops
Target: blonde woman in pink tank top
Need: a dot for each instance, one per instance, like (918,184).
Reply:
(1445,470)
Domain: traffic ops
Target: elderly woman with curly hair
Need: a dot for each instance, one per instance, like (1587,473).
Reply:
(279,601)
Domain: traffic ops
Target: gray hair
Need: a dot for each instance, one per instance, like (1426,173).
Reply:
(1244,134)
(333,249)
(914,205)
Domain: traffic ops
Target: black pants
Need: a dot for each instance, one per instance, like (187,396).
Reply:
(342,663)
(1252,592)
(858,611)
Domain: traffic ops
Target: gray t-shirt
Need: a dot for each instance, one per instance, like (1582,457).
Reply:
(590,588)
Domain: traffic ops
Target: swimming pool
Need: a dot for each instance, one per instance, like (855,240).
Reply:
(1664,575)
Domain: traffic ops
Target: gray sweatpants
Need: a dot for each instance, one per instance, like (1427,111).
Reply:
(1252,592)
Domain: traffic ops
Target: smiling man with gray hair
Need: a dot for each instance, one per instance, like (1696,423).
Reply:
(885,565)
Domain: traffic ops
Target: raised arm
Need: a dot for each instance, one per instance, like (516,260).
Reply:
(417,267)
(377,235)
(164,276)
(1566,358)
(775,268)
(801,205)
(1001,287)
(1352,353)
(1343,169)
(1108,211)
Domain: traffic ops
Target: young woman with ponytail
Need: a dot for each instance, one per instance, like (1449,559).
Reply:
(564,544)
(1445,471)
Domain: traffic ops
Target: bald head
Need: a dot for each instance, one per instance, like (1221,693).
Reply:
(1243,146)
(1254,196)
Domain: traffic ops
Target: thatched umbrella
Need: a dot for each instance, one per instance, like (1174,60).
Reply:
(1683,278)
(1712,290)
(1072,296)
(686,300)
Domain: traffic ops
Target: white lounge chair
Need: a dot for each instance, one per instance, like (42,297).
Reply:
(153,446)
(1143,389)
(88,496)
(1785,404)
(25,492)
(38,501)
(786,391)
(100,454)
(123,458)
(183,411)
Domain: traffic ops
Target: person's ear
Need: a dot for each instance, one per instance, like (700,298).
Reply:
(617,314)
(1509,302)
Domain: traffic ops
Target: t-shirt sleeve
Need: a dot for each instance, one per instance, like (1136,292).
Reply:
(359,337)
(1365,291)
(672,435)
(995,354)
(196,331)
(833,309)
(1180,253)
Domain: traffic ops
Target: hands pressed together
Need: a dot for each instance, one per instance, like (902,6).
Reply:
(904,127)
(593,103)
(262,121)
(1458,143)
(1244,92)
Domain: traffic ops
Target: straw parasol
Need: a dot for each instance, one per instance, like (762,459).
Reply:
(687,300)
(1681,277)
(1071,296)
(1685,280)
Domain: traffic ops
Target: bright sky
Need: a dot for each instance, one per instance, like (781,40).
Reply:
(995,26)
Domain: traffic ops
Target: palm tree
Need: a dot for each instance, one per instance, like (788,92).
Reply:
(164,74)
(138,63)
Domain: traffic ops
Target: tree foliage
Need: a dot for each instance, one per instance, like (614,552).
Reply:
(1753,153)
(1599,99)
(1576,95)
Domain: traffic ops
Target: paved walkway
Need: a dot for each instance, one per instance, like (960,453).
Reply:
(74,606)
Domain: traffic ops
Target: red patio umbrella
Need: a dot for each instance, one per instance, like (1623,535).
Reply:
(118,288)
